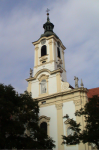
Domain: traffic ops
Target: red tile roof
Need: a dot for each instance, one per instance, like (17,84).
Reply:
(92,92)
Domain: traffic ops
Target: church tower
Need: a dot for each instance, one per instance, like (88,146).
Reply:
(49,65)
(48,85)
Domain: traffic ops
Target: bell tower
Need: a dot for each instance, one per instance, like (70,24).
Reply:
(49,51)
(48,82)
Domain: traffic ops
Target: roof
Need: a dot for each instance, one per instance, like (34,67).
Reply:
(92,92)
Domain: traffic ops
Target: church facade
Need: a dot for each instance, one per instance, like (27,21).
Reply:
(50,88)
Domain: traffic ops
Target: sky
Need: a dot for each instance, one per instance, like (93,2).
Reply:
(75,22)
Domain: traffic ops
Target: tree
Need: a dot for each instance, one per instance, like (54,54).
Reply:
(19,121)
(90,133)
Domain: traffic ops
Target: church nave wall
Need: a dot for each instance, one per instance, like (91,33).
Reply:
(69,108)
(52,113)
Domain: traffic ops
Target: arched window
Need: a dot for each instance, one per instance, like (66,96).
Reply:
(43,86)
(58,52)
(43,126)
(69,131)
(43,50)
(44,123)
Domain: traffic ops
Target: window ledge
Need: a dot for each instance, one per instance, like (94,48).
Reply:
(59,58)
(43,94)
(43,56)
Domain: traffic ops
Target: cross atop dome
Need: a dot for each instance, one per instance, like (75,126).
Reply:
(48,27)
(47,11)
(48,20)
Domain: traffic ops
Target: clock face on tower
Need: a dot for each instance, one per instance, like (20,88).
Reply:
(43,41)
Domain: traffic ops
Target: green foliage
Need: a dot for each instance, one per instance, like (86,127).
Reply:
(90,134)
(19,113)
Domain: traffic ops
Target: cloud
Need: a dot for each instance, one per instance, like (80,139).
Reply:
(76,24)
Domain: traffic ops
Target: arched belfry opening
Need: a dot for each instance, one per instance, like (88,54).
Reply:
(43,50)
(58,52)
(43,126)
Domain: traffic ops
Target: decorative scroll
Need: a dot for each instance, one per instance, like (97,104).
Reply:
(77,102)
(59,106)
(44,119)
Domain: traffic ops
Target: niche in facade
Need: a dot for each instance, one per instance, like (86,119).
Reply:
(43,86)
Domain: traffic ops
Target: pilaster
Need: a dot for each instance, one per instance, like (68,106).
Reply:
(54,50)
(36,56)
(29,87)
(50,50)
(58,82)
(60,125)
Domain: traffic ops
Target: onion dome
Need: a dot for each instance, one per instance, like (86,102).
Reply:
(48,28)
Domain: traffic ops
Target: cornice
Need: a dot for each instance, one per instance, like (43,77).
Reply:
(62,94)
(43,70)
(47,38)
(44,63)
(47,63)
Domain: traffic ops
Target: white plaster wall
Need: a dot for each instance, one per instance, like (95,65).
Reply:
(64,76)
(49,66)
(35,89)
(52,84)
(50,111)
(69,108)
